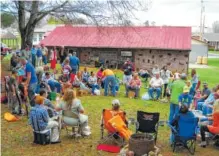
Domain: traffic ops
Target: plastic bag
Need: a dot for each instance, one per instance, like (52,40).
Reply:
(145,96)
(9,117)
(97,92)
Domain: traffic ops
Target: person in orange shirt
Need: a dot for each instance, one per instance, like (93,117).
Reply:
(214,128)
(109,79)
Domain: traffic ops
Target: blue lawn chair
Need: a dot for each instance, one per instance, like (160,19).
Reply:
(184,134)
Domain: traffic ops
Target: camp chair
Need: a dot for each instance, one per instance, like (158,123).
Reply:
(147,123)
(106,124)
(72,128)
(185,133)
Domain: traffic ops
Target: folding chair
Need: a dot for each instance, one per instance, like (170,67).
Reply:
(70,114)
(148,123)
(106,123)
(184,134)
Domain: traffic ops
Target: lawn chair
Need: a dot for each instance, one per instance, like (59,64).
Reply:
(116,124)
(71,129)
(185,133)
(148,123)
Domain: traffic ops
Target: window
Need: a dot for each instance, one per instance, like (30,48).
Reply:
(40,36)
(34,38)
(126,53)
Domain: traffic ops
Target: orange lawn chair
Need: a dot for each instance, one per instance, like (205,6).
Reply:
(116,125)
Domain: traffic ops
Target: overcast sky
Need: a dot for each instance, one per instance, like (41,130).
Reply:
(180,12)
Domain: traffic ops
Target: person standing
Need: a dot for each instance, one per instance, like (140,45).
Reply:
(62,54)
(155,70)
(127,68)
(53,58)
(109,78)
(39,56)
(177,90)
(194,82)
(44,54)
(33,54)
(74,63)
(31,79)
(165,75)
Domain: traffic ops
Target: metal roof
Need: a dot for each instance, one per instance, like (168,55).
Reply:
(211,36)
(171,38)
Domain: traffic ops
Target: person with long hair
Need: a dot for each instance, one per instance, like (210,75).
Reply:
(194,82)
(71,103)
(214,128)
(53,58)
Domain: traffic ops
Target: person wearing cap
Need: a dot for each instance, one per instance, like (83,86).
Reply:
(44,54)
(185,98)
(115,105)
(177,90)
(205,93)
(156,84)
(128,68)
(74,63)
(207,105)
(39,120)
(31,79)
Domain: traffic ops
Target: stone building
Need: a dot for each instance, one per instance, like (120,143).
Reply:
(145,46)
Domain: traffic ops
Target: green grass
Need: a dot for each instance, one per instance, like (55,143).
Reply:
(17,137)
(213,52)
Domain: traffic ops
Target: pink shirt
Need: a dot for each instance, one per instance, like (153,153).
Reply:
(135,82)
(99,74)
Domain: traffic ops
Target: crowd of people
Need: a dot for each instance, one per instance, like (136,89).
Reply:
(38,82)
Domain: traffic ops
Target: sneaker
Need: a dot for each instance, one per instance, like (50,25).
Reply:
(203,144)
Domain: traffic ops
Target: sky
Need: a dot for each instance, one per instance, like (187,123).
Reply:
(180,12)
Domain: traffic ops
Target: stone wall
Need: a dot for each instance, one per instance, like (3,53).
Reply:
(175,60)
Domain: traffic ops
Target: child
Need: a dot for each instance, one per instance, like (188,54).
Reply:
(92,83)
(196,97)
(214,128)
(85,75)
(185,98)
(66,68)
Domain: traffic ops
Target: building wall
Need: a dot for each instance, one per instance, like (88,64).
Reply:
(198,50)
(37,37)
(175,60)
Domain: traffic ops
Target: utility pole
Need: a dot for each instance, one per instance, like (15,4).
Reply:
(201,22)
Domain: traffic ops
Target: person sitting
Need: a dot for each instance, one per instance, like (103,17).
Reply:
(65,83)
(39,120)
(204,94)
(214,128)
(185,98)
(206,106)
(71,103)
(92,83)
(183,113)
(143,74)
(66,69)
(77,80)
(53,84)
(135,85)
(155,86)
(85,75)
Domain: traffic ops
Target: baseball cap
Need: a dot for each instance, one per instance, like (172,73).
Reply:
(115,102)
(185,89)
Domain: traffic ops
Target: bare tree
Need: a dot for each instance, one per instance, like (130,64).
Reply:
(108,12)
(215,27)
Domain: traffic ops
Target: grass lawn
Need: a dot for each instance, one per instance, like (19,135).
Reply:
(17,137)
(213,52)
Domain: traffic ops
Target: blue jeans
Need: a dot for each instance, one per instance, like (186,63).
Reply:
(174,109)
(34,60)
(152,90)
(44,59)
(74,69)
(93,87)
(112,81)
(31,93)
(192,89)
(55,84)
(204,108)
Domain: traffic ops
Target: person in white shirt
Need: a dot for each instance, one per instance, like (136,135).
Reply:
(155,86)
(165,75)
(92,82)
(155,70)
